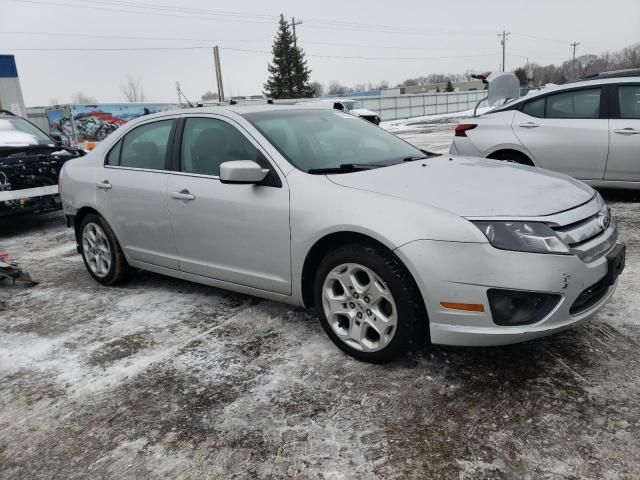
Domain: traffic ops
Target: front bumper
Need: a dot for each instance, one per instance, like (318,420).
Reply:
(463,272)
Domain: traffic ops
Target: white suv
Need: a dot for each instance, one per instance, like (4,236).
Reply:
(588,129)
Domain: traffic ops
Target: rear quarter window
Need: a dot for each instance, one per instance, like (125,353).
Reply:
(113,157)
(534,108)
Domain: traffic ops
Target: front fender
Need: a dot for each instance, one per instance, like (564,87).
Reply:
(391,221)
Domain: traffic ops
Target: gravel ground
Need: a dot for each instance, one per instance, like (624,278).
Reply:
(164,378)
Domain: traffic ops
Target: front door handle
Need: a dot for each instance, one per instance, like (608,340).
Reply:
(183,195)
(626,131)
(105,185)
(529,125)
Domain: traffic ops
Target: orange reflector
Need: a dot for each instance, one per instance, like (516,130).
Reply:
(467,307)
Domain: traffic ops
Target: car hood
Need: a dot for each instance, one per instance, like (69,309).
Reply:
(362,112)
(473,187)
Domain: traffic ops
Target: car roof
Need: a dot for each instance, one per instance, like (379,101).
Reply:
(234,109)
(592,82)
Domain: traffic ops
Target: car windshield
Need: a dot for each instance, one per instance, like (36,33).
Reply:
(321,139)
(17,132)
(352,104)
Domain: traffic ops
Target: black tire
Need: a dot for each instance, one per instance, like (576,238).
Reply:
(119,269)
(512,156)
(411,331)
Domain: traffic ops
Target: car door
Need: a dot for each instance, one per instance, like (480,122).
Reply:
(624,134)
(230,232)
(566,131)
(131,193)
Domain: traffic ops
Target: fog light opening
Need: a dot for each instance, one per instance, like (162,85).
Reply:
(512,307)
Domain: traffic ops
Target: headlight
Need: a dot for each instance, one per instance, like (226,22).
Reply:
(523,237)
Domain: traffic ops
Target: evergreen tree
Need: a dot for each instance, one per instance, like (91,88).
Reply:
(289,74)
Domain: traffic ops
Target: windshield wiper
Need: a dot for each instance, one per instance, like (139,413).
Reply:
(344,168)
(427,154)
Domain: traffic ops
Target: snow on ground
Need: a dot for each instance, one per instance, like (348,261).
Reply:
(161,378)
(409,123)
(433,132)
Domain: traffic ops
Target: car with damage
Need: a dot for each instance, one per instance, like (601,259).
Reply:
(392,245)
(30,163)
(589,129)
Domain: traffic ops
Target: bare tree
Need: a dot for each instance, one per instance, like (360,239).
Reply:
(80,97)
(54,101)
(209,95)
(335,88)
(132,89)
(318,89)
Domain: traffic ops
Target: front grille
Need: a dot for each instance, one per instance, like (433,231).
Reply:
(591,237)
(590,297)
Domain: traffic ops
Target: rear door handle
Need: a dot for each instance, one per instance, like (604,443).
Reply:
(627,131)
(529,125)
(105,185)
(183,195)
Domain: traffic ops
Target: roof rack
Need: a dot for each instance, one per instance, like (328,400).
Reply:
(629,72)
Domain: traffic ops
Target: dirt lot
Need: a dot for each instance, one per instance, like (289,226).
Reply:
(164,378)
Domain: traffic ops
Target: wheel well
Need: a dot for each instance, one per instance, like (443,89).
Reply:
(77,220)
(320,249)
(519,157)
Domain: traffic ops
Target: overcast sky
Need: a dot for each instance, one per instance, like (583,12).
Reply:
(437,36)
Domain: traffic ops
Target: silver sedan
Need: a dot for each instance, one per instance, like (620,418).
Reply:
(393,246)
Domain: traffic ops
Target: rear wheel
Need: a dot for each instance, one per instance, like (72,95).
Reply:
(511,156)
(368,303)
(101,252)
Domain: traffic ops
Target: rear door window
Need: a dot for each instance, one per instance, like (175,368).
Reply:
(629,101)
(577,104)
(146,146)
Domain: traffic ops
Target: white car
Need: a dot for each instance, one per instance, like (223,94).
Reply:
(588,129)
(346,105)
(317,208)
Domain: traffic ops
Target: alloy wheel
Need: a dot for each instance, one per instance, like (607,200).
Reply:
(96,249)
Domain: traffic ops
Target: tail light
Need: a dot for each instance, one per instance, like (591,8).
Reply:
(461,129)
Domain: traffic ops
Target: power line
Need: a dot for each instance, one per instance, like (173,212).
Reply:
(204,14)
(208,40)
(248,50)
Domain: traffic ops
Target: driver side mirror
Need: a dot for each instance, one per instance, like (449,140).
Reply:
(242,172)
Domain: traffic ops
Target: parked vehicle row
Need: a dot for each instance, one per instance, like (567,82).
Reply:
(588,129)
(315,207)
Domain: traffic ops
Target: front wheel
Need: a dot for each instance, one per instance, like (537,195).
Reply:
(368,303)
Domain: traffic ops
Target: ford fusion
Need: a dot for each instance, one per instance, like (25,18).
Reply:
(393,246)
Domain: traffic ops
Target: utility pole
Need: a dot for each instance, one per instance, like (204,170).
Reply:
(216,62)
(503,42)
(293,26)
(178,92)
(573,62)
